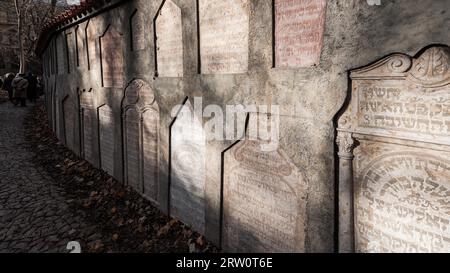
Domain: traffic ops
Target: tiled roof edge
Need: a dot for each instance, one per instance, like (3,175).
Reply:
(74,13)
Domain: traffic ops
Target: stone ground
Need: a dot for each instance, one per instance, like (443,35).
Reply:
(49,197)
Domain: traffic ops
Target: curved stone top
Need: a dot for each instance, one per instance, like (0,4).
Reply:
(139,93)
(72,14)
(431,69)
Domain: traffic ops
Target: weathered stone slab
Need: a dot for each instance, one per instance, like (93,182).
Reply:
(71,51)
(80,46)
(107,143)
(88,116)
(402,199)
(69,119)
(112,55)
(141,125)
(399,116)
(132,150)
(264,201)
(169,42)
(187,185)
(150,131)
(91,36)
(138,31)
(60,54)
(224,36)
(299,27)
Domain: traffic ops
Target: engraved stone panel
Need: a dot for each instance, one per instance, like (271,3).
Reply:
(107,143)
(265,198)
(141,130)
(91,40)
(150,125)
(224,36)
(169,42)
(81,46)
(70,58)
(60,54)
(69,114)
(112,53)
(88,114)
(187,191)
(402,200)
(391,101)
(132,152)
(299,27)
(399,115)
(138,40)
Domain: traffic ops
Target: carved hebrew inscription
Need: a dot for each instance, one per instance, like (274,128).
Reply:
(150,144)
(169,41)
(402,190)
(132,153)
(106,119)
(397,108)
(187,193)
(403,204)
(112,46)
(265,198)
(142,139)
(224,36)
(299,27)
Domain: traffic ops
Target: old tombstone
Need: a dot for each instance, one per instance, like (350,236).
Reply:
(187,176)
(69,121)
(264,200)
(141,139)
(91,38)
(80,39)
(87,118)
(299,27)
(60,54)
(138,40)
(112,56)
(394,152)
(71,51)
(106,135)
(169,41)
(224,36)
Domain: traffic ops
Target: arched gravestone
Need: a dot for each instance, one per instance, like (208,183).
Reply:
(224,36)
(187,176)
(69,120)
(398,176)
(87,118)
(141,139)
(264,200)
(112,55)
(169,40)
(106,135)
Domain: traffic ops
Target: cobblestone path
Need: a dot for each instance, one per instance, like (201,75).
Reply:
(34,216)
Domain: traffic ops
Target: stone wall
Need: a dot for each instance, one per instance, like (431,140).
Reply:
(114,78)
